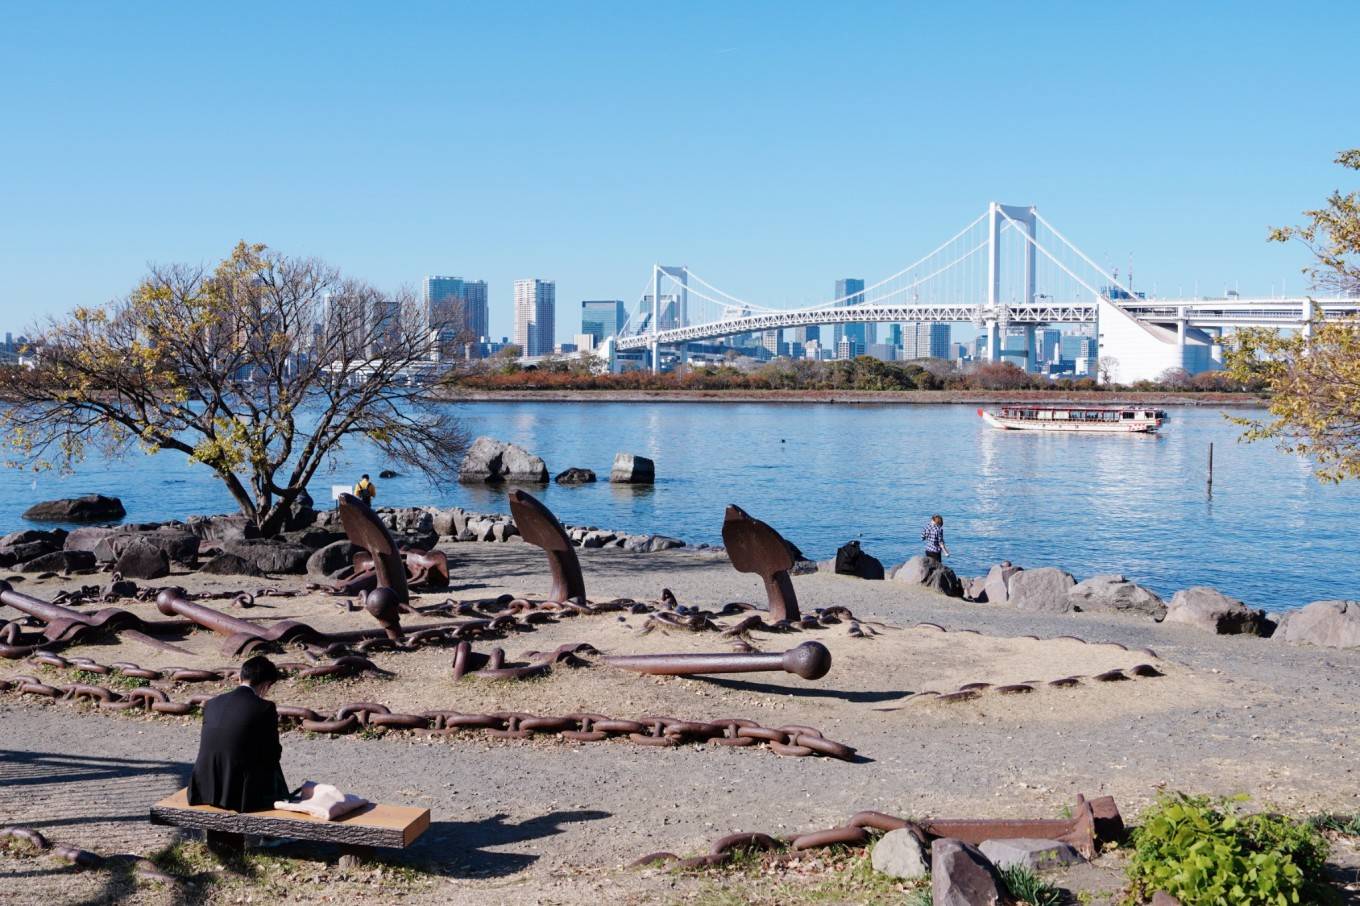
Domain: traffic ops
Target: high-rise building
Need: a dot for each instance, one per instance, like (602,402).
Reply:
(925,340)
(535,316)
(850,290)
(1048,343)
(602,319)
(773,341)
(457,307)
(1080,351)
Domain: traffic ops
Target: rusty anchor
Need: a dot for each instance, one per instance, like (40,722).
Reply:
(755,547)
(242,636)
(538,526)
(1093,821)
(810,660)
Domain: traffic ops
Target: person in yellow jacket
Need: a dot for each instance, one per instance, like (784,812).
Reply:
(366,490)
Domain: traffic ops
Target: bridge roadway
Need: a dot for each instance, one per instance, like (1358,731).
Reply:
(1280,313)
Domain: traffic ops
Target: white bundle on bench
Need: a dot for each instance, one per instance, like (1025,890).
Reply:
(321,800)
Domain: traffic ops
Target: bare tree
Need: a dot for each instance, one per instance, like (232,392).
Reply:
(1107,367)
(1175,378)
(261,369)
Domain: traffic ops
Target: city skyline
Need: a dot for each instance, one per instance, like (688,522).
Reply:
(1185,191)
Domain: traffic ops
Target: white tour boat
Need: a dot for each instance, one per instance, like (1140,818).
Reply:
(1092,419)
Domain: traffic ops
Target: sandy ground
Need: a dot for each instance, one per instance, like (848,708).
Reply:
(557,822)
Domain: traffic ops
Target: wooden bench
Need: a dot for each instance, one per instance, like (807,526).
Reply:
(391,826)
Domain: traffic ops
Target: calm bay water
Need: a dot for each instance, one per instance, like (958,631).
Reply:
(825,473)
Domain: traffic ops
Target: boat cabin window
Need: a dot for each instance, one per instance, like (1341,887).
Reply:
(1127,414)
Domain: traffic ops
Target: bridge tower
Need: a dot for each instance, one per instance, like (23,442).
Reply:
(681,276)
(995,315)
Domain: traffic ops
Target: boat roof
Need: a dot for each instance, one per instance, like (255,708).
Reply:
(1078,408)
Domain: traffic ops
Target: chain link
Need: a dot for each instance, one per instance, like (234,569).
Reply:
(791,740)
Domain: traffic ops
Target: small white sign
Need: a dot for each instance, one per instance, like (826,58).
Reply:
(337,490)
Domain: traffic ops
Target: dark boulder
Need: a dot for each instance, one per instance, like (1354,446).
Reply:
(424,541)
(961,875)
(56,537)
(300,516)
(388,473)
(271,555)
(178,543)
(143,559)
(313,538)
(325,562)
(575,476)
(60,562)
(217,530)
(230,565)
(13,554)
(87,536)
(90,508)
(851,560)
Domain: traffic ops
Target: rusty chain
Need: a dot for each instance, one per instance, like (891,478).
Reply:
(1092,822)
(855,832)
(791,740)
(142,867)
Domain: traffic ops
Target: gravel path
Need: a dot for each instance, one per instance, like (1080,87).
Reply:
(551,822)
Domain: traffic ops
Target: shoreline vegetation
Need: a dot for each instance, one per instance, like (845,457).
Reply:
(861,380)
(1217,399)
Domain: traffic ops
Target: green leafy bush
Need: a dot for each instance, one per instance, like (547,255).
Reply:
(1205,852)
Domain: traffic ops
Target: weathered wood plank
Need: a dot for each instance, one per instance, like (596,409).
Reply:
(394,826)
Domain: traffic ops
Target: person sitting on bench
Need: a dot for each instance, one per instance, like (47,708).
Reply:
(238,752)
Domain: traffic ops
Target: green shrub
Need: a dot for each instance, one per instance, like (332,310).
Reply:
(1206,853)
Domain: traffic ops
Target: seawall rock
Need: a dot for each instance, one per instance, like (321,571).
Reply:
(997,585)
(1042,590)
(1211,610)
(922,571)
(1115,594)
(269,556)
(60,562)
(142,558)
(1329,624)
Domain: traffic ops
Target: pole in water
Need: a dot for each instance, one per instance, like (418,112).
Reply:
(1210,484)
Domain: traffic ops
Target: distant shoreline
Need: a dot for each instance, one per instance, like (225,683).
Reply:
(859,397)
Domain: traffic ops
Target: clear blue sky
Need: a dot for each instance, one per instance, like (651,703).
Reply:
(772,146)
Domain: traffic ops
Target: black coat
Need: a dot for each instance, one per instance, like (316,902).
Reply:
(238,754)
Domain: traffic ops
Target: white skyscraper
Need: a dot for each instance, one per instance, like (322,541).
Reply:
(535,307)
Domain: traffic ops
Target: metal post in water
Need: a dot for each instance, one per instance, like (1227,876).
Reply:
(1210,485)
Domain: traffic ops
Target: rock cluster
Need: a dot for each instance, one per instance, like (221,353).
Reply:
(962,874)
(490,460)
